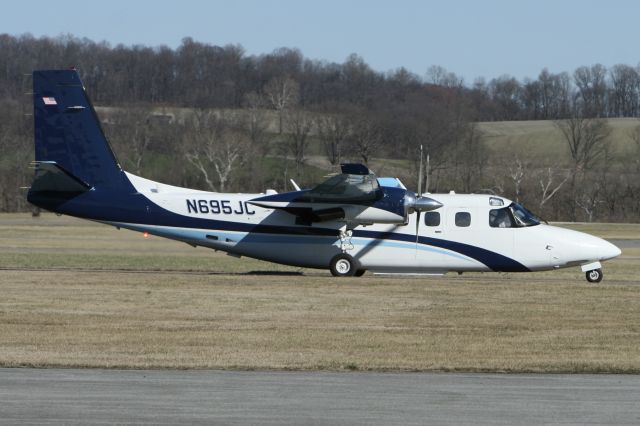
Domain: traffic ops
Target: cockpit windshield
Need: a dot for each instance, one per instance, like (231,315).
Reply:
(346,187)
(513,216)
(523,216)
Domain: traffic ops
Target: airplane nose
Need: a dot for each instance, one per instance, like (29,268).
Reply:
(573,247)
(608,250)
(601,249)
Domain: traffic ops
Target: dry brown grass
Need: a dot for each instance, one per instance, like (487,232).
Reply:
(223,318)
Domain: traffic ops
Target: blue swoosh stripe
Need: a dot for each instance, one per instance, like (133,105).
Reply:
(493,260)
(136,208)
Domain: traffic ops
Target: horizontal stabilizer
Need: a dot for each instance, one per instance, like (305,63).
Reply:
(53,185)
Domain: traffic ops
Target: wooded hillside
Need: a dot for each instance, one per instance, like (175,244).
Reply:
(216,118)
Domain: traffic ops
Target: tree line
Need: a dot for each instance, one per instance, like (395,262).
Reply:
(216,118)
(207,76)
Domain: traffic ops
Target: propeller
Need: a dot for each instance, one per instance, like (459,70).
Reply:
(416,202)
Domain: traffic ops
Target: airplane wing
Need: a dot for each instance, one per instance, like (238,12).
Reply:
(353,196)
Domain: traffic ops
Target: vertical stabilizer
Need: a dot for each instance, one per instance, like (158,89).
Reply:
(67,130)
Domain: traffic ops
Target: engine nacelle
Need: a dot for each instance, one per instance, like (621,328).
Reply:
(391,206)
(369,215)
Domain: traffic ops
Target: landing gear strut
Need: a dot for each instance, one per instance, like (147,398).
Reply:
(594,276)
(345,240)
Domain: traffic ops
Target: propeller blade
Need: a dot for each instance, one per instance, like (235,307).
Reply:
(417,224)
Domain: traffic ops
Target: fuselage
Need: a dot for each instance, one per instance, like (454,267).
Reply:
(350,223)
(461,239)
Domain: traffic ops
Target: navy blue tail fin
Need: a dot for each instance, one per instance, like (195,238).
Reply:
(67,130)
(72,154)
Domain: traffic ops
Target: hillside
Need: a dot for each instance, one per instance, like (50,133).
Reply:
(542,139)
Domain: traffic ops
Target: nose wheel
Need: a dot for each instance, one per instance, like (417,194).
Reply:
(594,276)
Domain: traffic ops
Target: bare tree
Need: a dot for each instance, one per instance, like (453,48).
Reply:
(366,138)
(135,132)
(587,139)
(516,173)
(554,90)
(216,147)
(506,93)
(592,90)
(298,125)
(440,76)
(256,122)
(334,131)
(548,188)
(471,156)
(625,91)
(590,198)
(282,93)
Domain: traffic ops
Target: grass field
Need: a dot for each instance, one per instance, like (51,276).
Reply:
(76,293)
(542,137)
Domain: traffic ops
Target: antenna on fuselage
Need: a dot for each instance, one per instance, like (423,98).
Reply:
(426,182)
(419,194)
(420,174)
(295,185)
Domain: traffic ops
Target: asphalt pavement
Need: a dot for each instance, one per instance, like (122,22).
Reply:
(624,243)
(71,396)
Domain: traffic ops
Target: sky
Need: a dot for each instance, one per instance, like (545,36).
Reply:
(474,39)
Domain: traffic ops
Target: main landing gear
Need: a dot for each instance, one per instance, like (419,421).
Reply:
(594,276)
(343,264)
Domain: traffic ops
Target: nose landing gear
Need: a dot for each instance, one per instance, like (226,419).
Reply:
(594,276)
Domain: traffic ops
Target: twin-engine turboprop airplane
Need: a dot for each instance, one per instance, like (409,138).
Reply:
(349,224)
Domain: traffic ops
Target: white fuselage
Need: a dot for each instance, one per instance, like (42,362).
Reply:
(437,248)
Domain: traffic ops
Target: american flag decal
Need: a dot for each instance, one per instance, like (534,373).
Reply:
(49,101)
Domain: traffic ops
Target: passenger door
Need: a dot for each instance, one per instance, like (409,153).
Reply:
(428,254)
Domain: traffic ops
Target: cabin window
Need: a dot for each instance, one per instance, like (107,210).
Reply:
(500,218)
(432,219)
(463,219)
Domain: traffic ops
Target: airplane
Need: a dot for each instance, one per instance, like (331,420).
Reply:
(349,224)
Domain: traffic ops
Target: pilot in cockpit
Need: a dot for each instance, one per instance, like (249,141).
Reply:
(499,218)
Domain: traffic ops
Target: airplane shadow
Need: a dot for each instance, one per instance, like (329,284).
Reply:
(274,273)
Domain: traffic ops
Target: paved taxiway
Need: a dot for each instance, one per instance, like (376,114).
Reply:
(623,244)
(227,397)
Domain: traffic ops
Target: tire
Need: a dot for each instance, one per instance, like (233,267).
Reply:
(360,272)
(343,265)
(594,276)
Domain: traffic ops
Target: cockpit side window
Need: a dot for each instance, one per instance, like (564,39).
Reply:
(500,218)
